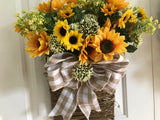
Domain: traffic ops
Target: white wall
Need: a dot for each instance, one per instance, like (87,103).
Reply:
(12,92)
(24,91)
(142,99)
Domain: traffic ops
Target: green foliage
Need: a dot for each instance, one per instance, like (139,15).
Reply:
(131,49)
(79,13)
(50,20)
(31,21)
(134,31)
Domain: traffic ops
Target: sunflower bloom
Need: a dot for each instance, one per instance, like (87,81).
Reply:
(71,3)
(141,14)
(95,56)
(17,29)
(37,44)
(107,24)
(73,41)
(108,43)
(44,7)
(123,20)
(66,13)
(119,4)
(87,51)
(83,57)
(133,19)
(61,30)
(108,9)
(56,4)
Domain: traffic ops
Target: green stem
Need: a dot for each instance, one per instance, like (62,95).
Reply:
(51,6)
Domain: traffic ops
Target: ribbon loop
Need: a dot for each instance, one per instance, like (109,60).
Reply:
(114,71)
(59,67)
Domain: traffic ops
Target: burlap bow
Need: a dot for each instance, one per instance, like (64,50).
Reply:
(106,76)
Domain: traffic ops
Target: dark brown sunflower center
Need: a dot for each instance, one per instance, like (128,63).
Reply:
(109,10)
(67,14)
(73,40)
(139,15)
(89,49)
(38,44)
(124,18)
(106,46)
(63,31)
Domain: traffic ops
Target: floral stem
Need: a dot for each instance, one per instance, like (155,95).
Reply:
(51,6)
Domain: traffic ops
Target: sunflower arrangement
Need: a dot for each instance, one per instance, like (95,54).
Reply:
(92,31)
(86,28)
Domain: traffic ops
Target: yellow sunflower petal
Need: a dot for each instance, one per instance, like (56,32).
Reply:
(142,14)
(66,13)
(124,19)
(61,30)
(95,56)
(73,40)
(108,9)
(109,42)
(45,6)
(37,44)
(119,4)
(56,4)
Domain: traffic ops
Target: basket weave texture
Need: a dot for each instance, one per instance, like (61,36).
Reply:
(106,102)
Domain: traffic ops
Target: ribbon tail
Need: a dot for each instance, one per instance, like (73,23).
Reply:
(87,100)
(66,104)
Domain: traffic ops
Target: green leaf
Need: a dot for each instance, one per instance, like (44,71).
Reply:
(131,49)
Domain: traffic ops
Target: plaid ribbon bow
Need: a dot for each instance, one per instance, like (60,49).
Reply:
(106,76)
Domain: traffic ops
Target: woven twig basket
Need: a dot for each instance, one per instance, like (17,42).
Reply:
(106,102)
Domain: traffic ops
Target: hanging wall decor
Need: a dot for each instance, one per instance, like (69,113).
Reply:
(84,42)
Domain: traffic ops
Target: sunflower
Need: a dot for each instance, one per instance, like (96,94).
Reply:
(45,6)
(141,14)
(95,56)
(133,19)
(83,57)
(73,41)
(61,30)
(119,4)
(108,43)
(123,20)
(71,3)
(56,4)
(107,24)
(108,9)
(66,13)
(37,44)
(89,51)
(17,29)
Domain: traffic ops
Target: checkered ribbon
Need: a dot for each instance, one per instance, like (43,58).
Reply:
(106,76)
